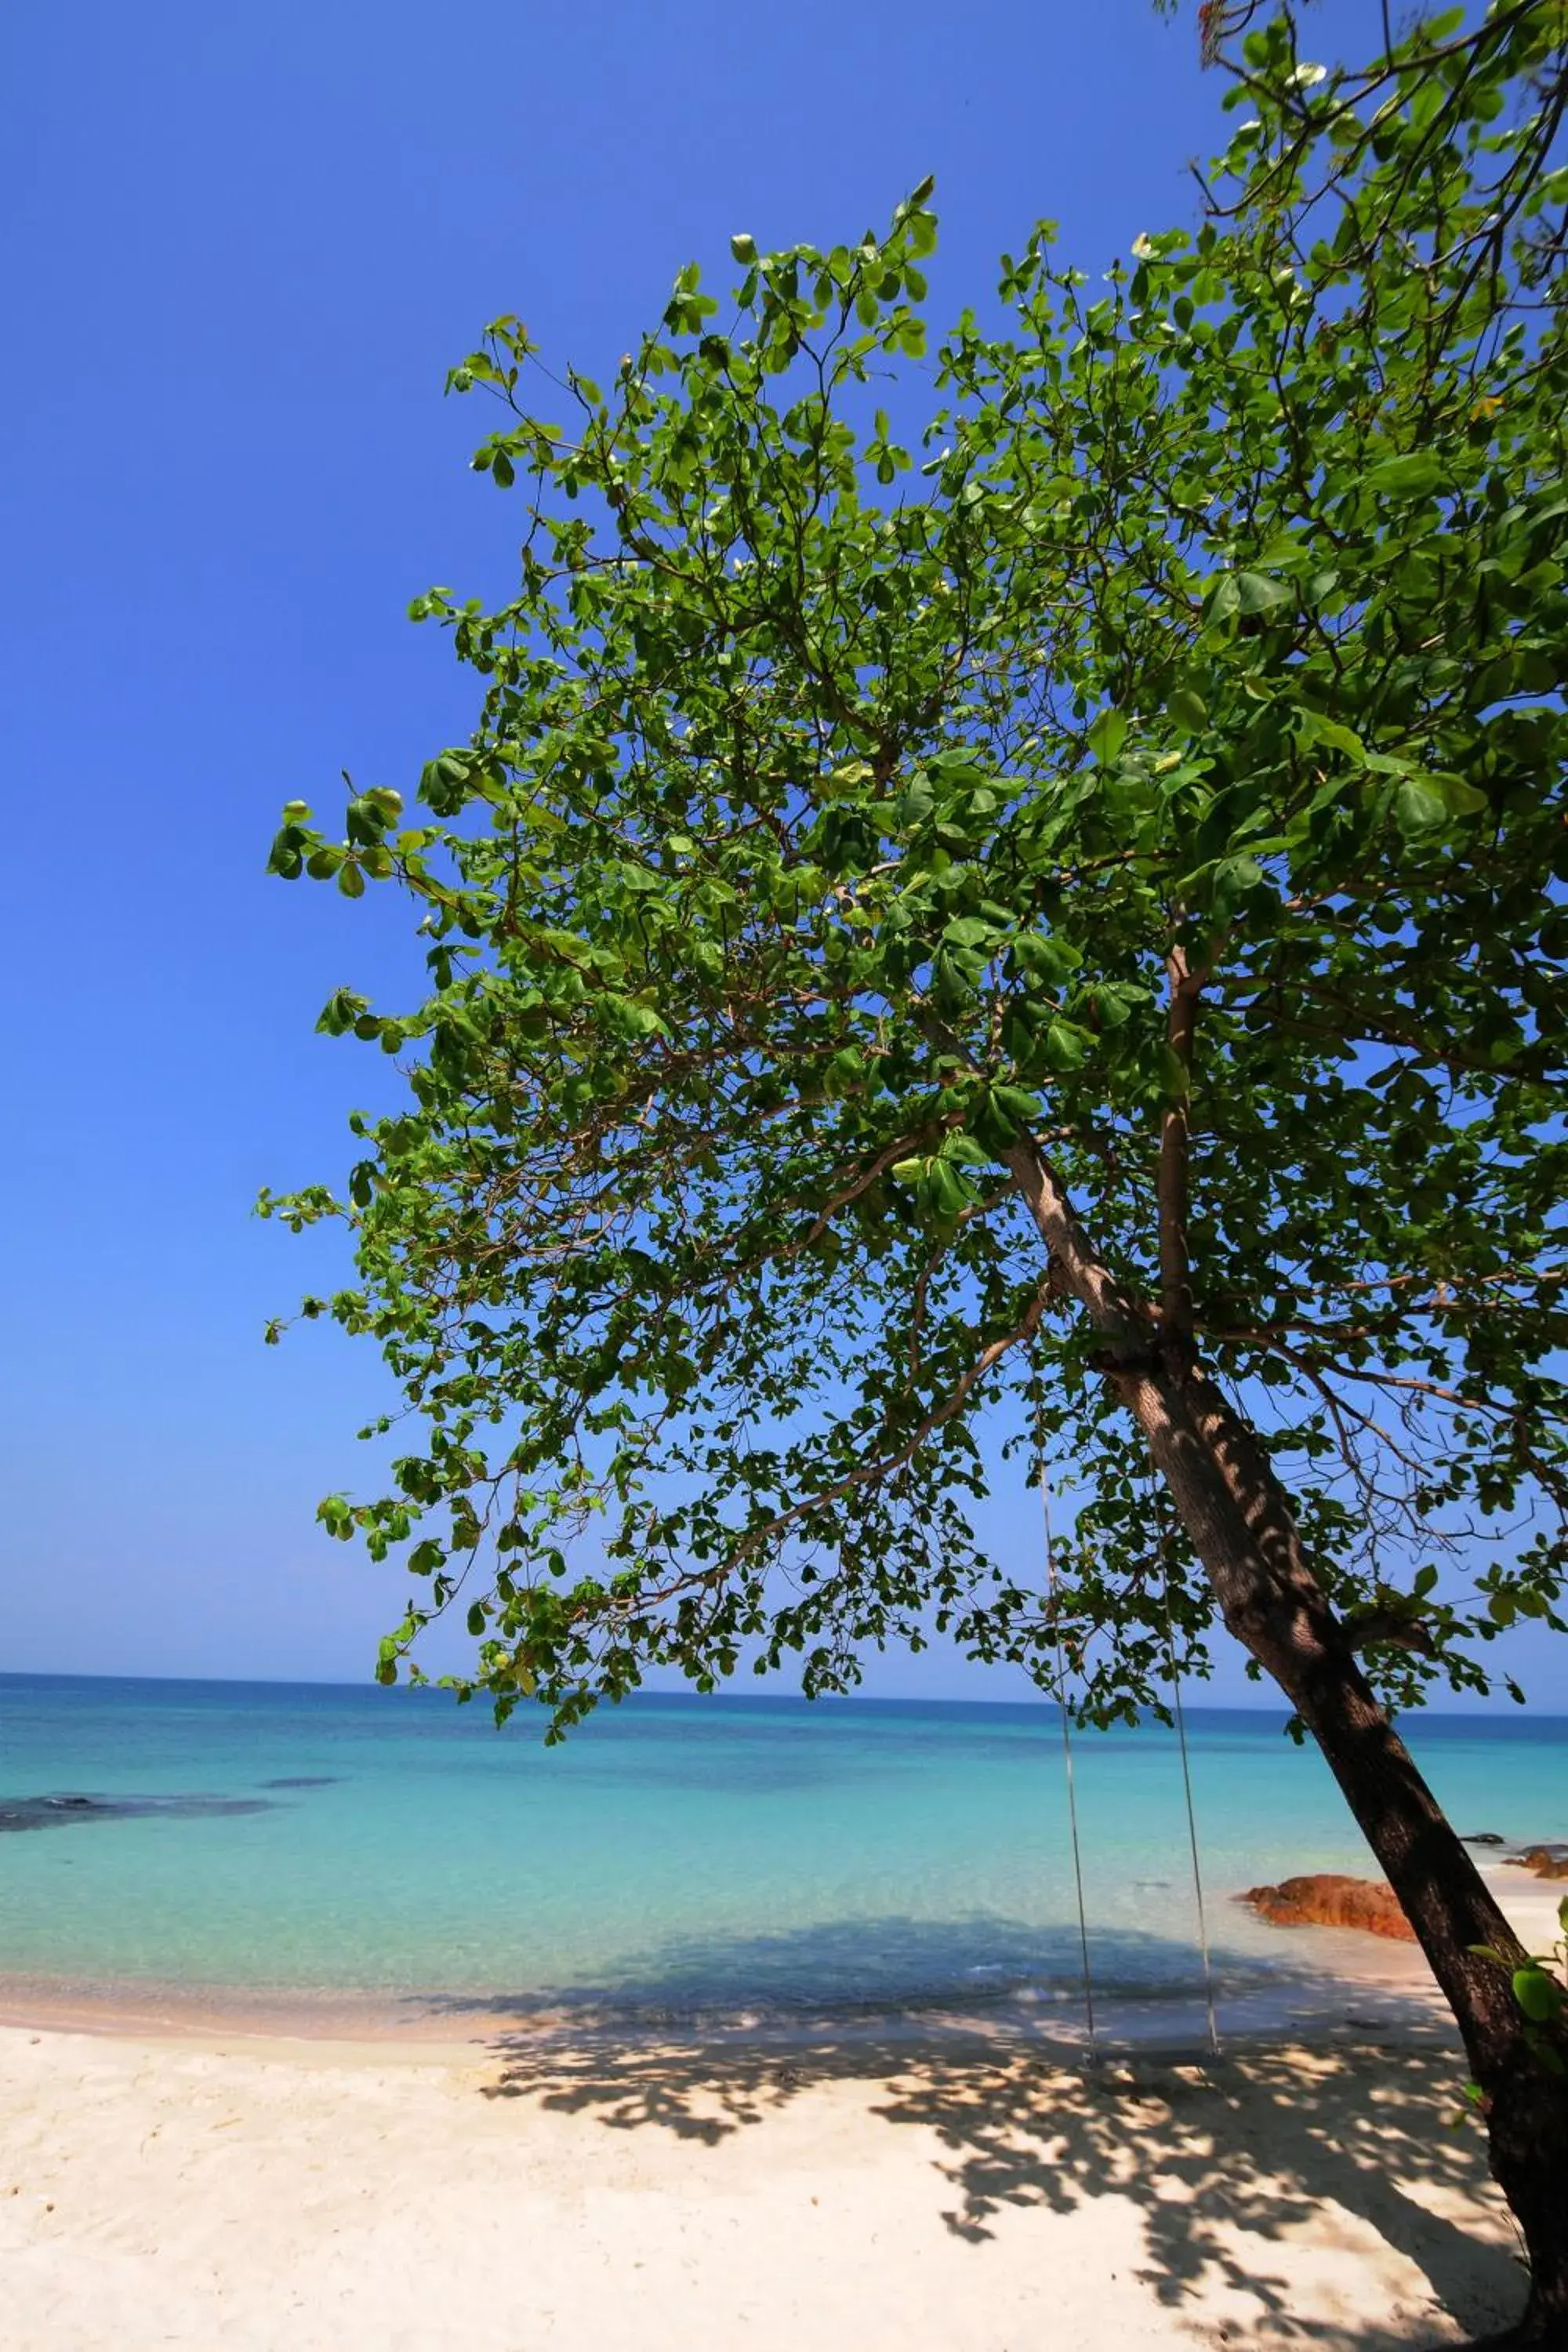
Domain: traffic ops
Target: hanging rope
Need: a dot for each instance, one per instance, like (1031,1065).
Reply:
(1051,1588)
(1187,1792)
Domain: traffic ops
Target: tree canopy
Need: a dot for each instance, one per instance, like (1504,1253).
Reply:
(1122,736)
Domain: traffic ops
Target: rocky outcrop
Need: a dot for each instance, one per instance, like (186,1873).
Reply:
(1329,1900)
(1546,1861)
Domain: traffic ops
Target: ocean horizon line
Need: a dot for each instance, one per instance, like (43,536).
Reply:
(737,1692)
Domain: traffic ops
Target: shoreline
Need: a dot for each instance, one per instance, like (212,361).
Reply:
(1329,1981)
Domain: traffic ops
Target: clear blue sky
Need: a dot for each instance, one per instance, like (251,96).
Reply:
(244,245)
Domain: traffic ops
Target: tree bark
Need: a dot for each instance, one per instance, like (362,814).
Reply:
(1241,1525)
(1239,1522)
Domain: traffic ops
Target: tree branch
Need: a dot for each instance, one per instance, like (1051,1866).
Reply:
(868,1473)
(1076,1266)
(1175,1155)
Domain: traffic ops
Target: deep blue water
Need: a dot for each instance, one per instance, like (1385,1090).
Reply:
(679,1857)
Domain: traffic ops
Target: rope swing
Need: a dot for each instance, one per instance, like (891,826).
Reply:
(1051,1588)
(1053,1592)
(1180,1715)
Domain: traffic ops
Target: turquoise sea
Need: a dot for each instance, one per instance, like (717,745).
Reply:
(699,1865)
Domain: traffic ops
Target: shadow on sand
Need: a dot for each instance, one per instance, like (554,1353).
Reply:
(1222,2157)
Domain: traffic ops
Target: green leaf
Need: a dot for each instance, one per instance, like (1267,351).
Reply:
(1314,727)
(915,804)
(1540,1996)
(1233,878)
(1257,593)
(1188,710)
(1044,957)
(992,1123)
(1065,1046)
(1107,736)
(1410,475)
(1418,806)
(949,1194)
(1113,1003)
(1459,798)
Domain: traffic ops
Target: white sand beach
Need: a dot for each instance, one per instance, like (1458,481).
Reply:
(220,2189)
(263,2195)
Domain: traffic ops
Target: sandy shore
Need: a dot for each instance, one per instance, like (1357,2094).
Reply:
(269,2195)
(224,2189)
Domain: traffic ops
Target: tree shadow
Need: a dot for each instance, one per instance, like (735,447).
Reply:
(1222,2157)
(1253,2146)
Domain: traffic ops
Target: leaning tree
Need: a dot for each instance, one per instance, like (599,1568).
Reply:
(1023,880)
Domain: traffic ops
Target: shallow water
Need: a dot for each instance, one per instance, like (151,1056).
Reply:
(720,1862)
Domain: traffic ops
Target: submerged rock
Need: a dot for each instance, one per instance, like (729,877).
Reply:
(55,1813)
(330,1780)
(1484,1837)
(1330,1900)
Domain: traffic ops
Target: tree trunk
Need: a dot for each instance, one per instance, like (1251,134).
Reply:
(1240,1523)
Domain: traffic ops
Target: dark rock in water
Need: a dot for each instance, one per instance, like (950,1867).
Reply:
(57,1812)
(330,1780)
(1484,1837)
(1329,1900)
